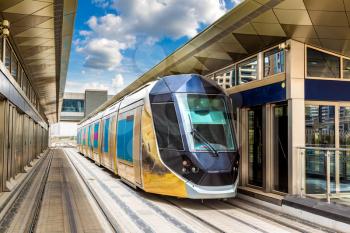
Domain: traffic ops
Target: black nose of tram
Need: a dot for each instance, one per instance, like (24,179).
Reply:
(194,130)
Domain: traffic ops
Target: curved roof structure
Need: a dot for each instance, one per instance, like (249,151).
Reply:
(252,26)
(42,35)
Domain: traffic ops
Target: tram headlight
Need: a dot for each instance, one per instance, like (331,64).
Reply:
(187,166)
(194,169)
(184,170)
(185,163)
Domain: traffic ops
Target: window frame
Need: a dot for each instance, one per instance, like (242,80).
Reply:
(263,63)
(337,106)
(77,100)
(230,122)
(341,65)
(258,75)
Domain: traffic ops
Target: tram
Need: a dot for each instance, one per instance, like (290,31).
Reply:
(173,136)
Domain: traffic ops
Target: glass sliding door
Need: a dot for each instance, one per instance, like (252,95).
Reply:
(255,147)
(320,132)
(280,148)
(344,142)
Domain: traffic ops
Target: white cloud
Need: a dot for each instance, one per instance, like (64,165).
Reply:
(118,81)
(102,53)
(113,86)
(73,86)
(84,33)
(174,18)
(145,20)
(236,2)
(101,3)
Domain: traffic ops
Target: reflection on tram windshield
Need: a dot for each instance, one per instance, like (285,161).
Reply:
(206,122)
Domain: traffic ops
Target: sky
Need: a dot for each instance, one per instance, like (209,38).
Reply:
(116,41)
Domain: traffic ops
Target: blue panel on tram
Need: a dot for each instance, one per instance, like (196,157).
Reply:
(96,127)
(125,139)
(89,136)
(105,136)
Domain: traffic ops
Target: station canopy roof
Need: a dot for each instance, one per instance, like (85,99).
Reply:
(42,34)
(252,26)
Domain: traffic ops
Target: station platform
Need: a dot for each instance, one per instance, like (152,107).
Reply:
(66,192)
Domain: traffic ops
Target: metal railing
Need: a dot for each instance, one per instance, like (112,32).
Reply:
(324,171)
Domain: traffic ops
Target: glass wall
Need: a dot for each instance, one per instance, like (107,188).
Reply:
(233,77)
(244,71)
(14,64)
(73,105)
(344,142)
(322,65)
(7,59)
(274,62)
(346,68)
(247,71)
(17,72)
(320,132)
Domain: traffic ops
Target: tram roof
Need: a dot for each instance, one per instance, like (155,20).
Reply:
(253,26)
(41,32)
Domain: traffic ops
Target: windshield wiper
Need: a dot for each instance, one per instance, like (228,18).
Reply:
(195,132)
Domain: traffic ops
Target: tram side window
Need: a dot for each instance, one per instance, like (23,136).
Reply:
(167,126)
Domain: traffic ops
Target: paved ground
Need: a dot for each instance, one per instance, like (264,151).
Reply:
(76,195)
(66,207)
(136,211)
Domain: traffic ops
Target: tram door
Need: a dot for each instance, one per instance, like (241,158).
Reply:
(137,146)
(128,145)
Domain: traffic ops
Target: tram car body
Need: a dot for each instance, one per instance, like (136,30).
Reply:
(173,136)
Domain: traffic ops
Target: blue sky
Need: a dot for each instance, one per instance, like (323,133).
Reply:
(116,41)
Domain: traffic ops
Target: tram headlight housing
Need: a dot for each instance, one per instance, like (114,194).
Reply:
(188,166)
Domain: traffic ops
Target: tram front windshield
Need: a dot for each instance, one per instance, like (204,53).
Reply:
(206,122)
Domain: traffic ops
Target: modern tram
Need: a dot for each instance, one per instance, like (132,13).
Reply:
(173,136)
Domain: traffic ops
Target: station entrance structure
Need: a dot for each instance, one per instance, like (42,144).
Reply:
(285,65)
(34,52)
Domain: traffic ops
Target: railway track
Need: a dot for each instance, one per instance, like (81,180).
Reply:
(182,215)
(115,226)
(22,211)
(27,209)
